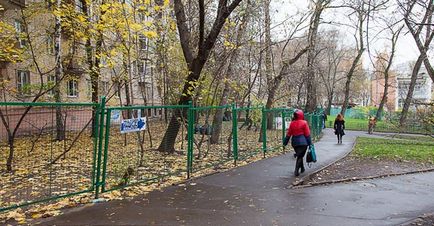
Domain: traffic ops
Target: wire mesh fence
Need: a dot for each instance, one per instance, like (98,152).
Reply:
(135,151)
(274,124)
(47,151)
(248,126)
(212,136)
(62,149)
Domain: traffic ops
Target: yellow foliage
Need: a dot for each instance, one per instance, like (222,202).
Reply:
(150,34)
(136,27)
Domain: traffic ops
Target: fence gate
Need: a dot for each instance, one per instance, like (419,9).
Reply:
(47,151)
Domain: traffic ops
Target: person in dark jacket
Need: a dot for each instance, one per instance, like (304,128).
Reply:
(339,127)
(299,133)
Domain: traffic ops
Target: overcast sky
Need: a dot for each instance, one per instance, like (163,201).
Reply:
(406,49)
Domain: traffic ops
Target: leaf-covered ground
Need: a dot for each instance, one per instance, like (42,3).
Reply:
(373,157)
(128,162)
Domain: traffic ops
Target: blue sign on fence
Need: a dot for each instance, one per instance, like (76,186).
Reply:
(133,125)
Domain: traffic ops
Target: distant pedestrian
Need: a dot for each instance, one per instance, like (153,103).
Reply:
(339,127)
(371,124)
(324,118)
(299,134)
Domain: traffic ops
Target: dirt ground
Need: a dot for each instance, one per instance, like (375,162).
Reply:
(424,220)
(355,167)
(352,167)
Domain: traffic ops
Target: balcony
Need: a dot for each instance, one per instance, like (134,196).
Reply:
(13,4)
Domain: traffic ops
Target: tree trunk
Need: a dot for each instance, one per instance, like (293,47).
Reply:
(329,102)
(60,127)
(311,86)
(384,98)
(218,117)
(409,97)
(195,63)
(93,61)
(11,153)
(348,82)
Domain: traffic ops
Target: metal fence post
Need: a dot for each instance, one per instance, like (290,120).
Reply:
(95,143)
(264,130)
(283,126)
(190,137)
(100,138)
(106,143)
(235,133)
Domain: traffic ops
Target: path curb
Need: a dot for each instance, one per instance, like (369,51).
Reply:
(308,176)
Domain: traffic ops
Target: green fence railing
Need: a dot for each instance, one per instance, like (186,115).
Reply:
(48,151)
(65,149)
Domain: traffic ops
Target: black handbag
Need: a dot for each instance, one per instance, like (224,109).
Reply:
(311,155)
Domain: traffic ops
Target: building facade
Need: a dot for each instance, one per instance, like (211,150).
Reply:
(423,89)
(25,78)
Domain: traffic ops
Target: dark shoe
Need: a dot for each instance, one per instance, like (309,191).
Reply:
(296,173)
(302,170)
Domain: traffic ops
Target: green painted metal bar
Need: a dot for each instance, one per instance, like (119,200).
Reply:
(212,107)
(43,200)
(249,108)
(42,104)
(235,133)
(98,109)
(190,136)
(146,107)
(283,126)
(106,144)
(264,130)
(100,137)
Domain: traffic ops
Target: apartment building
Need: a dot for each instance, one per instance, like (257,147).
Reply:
(35,71)
(423,89)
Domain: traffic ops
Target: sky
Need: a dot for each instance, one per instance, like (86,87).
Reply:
(406,51)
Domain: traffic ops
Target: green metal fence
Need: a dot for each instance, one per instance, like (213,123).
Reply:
(131,157)
(247,123)
(106,148)
(47,151)
(211,137)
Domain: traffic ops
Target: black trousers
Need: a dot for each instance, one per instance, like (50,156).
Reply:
(339,137)
(300,151)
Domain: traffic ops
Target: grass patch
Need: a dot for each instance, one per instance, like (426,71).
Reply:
(413,138)
(395,149)
(382,126)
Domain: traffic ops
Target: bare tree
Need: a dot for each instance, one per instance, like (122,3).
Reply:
(311,85)
(194,57)
(386,64)
(230,72)
(423,36)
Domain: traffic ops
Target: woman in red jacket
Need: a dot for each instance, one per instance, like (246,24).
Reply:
(299,133)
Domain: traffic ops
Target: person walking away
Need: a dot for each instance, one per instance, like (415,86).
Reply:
(371,124)
(339,127)
(324,119)
(299,134)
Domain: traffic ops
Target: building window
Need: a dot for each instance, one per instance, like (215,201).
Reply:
(50,43)
(143,42)
(51,82)
(104,87)
(78,6)
(20,29)
(23,82)
(72,88)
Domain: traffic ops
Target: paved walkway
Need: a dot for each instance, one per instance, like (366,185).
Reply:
(258,194)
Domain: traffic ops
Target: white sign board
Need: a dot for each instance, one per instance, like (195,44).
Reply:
(133,125)
(116,116)
(278,122)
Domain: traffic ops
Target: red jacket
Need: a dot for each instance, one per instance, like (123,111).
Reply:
(299,131)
